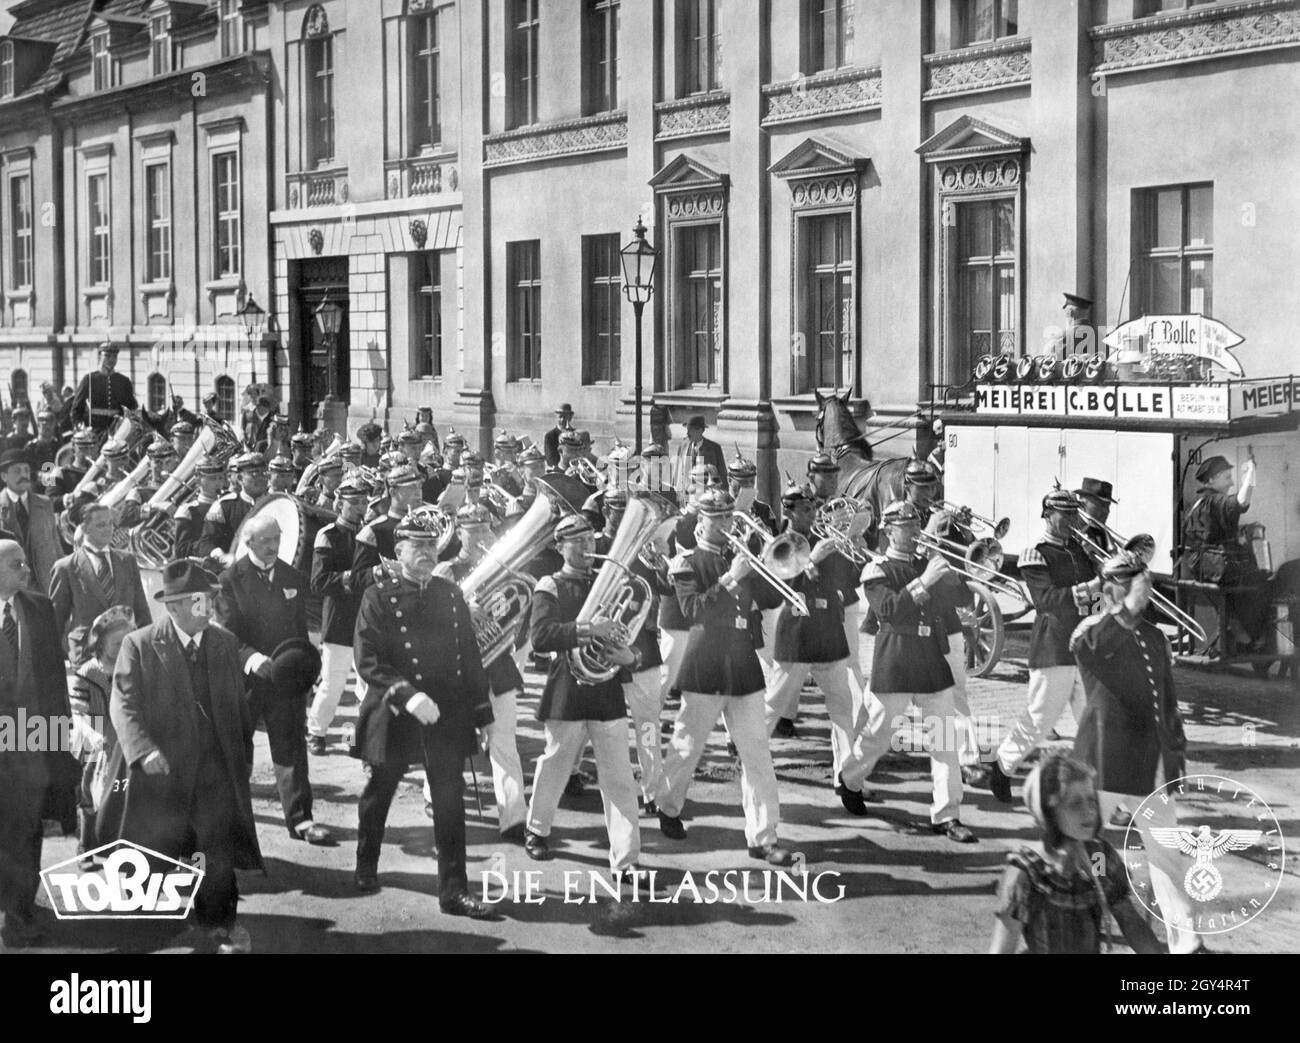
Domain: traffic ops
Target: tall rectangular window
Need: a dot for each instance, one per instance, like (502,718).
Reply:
(524,274)
(601,85)
(602,309)
(158,222)
(699,295)
(826,305)
(701,45)
(522,59)
(160,44)
(232,28)
(20,226)
(6,69)
(426,90)
(226,214)
(1174,242)
(985,283)
(101,235)
(426,317)
(1150,7)
(320,100)
(982,20)
(101,63)
(829,34)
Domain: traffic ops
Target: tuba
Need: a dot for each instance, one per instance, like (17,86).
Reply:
(616,592)
(498,591)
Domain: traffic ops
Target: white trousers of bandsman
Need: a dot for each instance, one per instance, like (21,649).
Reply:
(335,669)
(1051,689)
(835,681)
(744,717)
(672,649)
(645,705)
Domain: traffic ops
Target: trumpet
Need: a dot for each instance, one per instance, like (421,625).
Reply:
(843,520)
(1164,605)
(781,558)
(1000,528)
(980,562)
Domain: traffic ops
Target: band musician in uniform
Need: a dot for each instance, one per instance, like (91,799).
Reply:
(426,694)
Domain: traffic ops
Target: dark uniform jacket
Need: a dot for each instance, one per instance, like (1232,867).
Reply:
(106,394)
(503,674)
(263,615)
(912,642)
(1055,574)
(720,657)
(1132,718)
(681,539)
(66,479)
(819,636)
(376,540)
(556,602)
(646,645)
(189,519)
(222,521)
(413,639)
(333,578)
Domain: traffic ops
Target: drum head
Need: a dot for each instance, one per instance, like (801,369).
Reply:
(288,512)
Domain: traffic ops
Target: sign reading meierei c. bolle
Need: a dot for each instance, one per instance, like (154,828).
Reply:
(1196,335)
(1211,403)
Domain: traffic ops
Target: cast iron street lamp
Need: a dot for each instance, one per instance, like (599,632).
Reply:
(327,320)
(251,315)
(638,283)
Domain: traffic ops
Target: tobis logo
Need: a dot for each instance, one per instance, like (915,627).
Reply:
(135,884)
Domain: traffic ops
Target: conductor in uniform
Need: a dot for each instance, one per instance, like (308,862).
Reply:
(103,393)
(426,693)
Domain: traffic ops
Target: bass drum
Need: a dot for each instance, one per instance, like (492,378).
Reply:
(295,540)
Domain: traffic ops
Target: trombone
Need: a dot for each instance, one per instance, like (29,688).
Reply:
(1000,527)
(1138,546)
(781,558)
(979,562)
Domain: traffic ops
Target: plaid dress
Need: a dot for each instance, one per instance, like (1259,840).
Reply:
(1060,912)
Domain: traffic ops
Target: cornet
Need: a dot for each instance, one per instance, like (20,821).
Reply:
(1000,528)
(781,558)
(979,562)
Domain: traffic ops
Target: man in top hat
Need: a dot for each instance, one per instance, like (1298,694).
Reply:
(369,435)
(283,479)
(42,449)
(426,694)
(29,516)
(574,712)
(21,418)
(720,677)
(190,516)
(95,577)
(1097,500)
(34,784)
(551,440)
(823,477)
(1132,728)
(506,684)
(1212,553)
(696,449)
(226,515)
(909,665)
(103,393)
(264,604)
(333,578)
(1063,585)
(185,745)
(377,541)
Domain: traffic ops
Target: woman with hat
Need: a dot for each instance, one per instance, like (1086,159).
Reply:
(1212,552)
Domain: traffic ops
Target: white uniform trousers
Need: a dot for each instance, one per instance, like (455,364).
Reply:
(672,649)
(1050,689)
(335,667)
(645,704)
(968,747)
(852,621)
(507,771)
(835,681)
(1166,869)
(882,715)
(765,659)
(564,743)
(744,718)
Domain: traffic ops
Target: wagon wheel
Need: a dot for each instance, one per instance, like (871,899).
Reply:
(981,625)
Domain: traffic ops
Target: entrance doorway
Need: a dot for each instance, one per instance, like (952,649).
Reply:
(314,356)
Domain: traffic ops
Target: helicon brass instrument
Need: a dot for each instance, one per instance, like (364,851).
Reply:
(842,520)
(781,557)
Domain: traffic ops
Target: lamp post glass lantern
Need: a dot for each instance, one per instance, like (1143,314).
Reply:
(327,321)
(251,316)
(638,259)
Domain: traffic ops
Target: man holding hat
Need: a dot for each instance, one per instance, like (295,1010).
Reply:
(1212,553)
(721,677)
(264,604)
(1062,582)
(696,449)
(103,393)
(574,712)
(426,694)
(909,665)
(184,749)
(190,515)
(226,515)
(29,516)
(333,578)
(1132,727)
(551,440)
